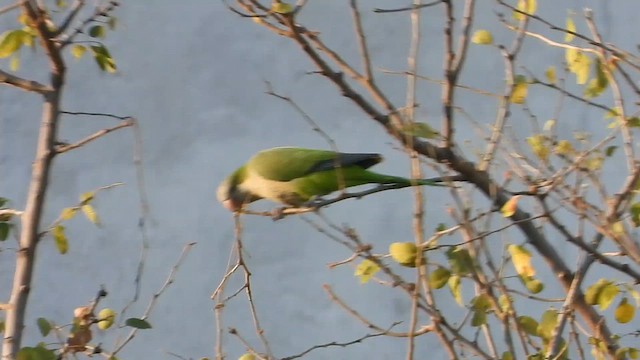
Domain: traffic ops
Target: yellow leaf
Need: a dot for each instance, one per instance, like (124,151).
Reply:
(456,291)
(106,317)
(538,144)
(281,7)
(77,51)
(578,63)
(366,269)
(60,239)
(549,124)
(87,197)
(617,228)
(509,208)
(519,94)
(564,147)
(247,356)
(14,63)
(571,26)
(68,213)
(482,37)
(404,253)
(526,6)
(550,74)
(521,259)
(624,312)
(90,213)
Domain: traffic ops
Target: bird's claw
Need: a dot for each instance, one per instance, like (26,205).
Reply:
(278,213)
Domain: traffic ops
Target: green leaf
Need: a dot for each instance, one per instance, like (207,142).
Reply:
(97,31)
(610,150)
(547,323)
(481,302)
(482,37)
(528,324)
(4,231)
(607,295)
(507,355)
(365,270)
(106,318)
(460,260)
(3,202)
(533,285)
(44,326)
(598,84)
(103,58)
(479,318)
(2,325)
(571,26)
(456,291)
(61,4)
(11,41)
(60,239)
(439,277)
(35,353)
(137,323)
(633,122)
(78,50)
(91,214)
(635,213)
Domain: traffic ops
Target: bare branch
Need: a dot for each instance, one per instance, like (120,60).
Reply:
(154,299)
(98,134)
(75,9)
(23,84)
(408,8)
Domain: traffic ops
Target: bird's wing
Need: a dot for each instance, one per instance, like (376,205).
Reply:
(287,163)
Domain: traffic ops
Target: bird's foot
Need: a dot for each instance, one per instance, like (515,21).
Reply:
(278,213)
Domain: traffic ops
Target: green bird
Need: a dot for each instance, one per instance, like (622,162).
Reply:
(295,176)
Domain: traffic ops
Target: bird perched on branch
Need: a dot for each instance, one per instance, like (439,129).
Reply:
(295,176)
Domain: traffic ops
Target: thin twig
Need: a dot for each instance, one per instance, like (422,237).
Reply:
(98,134)
(154,299)
(340,344)
(408,8)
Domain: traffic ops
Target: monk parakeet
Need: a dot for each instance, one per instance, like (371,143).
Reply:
(294,176)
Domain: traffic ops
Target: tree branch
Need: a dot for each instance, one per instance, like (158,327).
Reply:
(23,84)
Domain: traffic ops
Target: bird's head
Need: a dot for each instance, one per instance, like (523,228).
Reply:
(231,194)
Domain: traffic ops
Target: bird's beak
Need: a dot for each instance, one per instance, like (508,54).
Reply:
(231,205)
